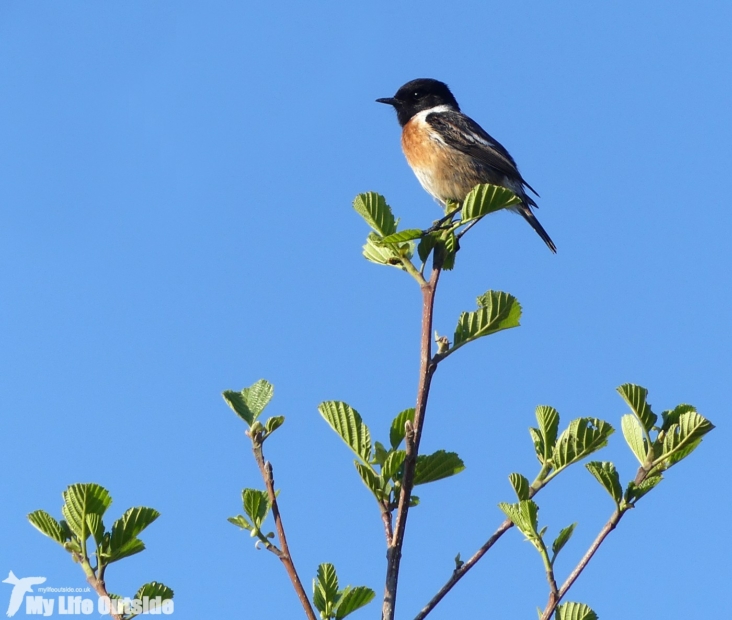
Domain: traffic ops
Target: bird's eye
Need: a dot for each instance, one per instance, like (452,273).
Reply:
(417,94)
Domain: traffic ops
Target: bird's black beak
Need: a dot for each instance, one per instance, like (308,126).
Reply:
(389,101)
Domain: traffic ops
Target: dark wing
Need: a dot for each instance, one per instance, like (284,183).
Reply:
(464,134)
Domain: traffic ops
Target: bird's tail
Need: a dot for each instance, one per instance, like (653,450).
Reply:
(527,214)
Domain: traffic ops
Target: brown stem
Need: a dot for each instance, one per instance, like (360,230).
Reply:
(554,600)
(458,574)
(426,370)
(284,552)
(609,527)
(97,584)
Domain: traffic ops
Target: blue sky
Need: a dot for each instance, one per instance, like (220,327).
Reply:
(176,220)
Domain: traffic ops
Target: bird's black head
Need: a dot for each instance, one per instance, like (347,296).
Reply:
(418,95)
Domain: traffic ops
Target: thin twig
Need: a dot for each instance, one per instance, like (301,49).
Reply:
(458,574)
(607,528)
(554,600)
(265,468)
(427,369)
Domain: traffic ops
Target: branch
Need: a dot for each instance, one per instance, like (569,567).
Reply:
(609,527)
(426,370)
(97,584)
(554,599)
(458,574)
(265,468)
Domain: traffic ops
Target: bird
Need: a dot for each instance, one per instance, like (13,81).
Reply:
(20,588)
(450,153)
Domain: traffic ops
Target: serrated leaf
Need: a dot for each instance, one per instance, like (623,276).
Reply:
(123,541)
(436,466)
(251,401)
(381,254)
(371,479)
(274,423)
(256,505)
(240,521)
(326,586)
(372,207)
(484,199)
(581,438)
(524,515)
(152,590)
(96,527)
(633,433)
(81,500)
(397,430)
(562,539)
(426,245)
(353,599)
(520,485)
(47,525)
(635,396)
(347,422)
(538,441)
(575,611)
(672,417)
(608,477)
(449,246)
(496,311)
(683,437)
(548,420)
(635,491)
(392,464)
(403,235)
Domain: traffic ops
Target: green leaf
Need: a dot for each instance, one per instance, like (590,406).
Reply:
(380,454)
(96,527)
(392,464)
(449,246)
(47,525)
(251,401)
(152,590)
(426,245)
(635,396)
(633,433)
(548,419)
(256,505)
(274,423)
(581,438)
(484,199)
(524,515)
(496,311)
(81,500)
(398,430)
(372,207)
(575,611)
(635,491)
(124,542)
(672,417)
(353,599)
(683,437)
(381,254)
(608,477)
(347,422)
(520,485)
(436,466)
(325,589)
(561,540)
(538,439)
(240,521)
(403,235)
(371,479)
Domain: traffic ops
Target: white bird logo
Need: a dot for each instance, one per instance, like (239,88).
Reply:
(20,588)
